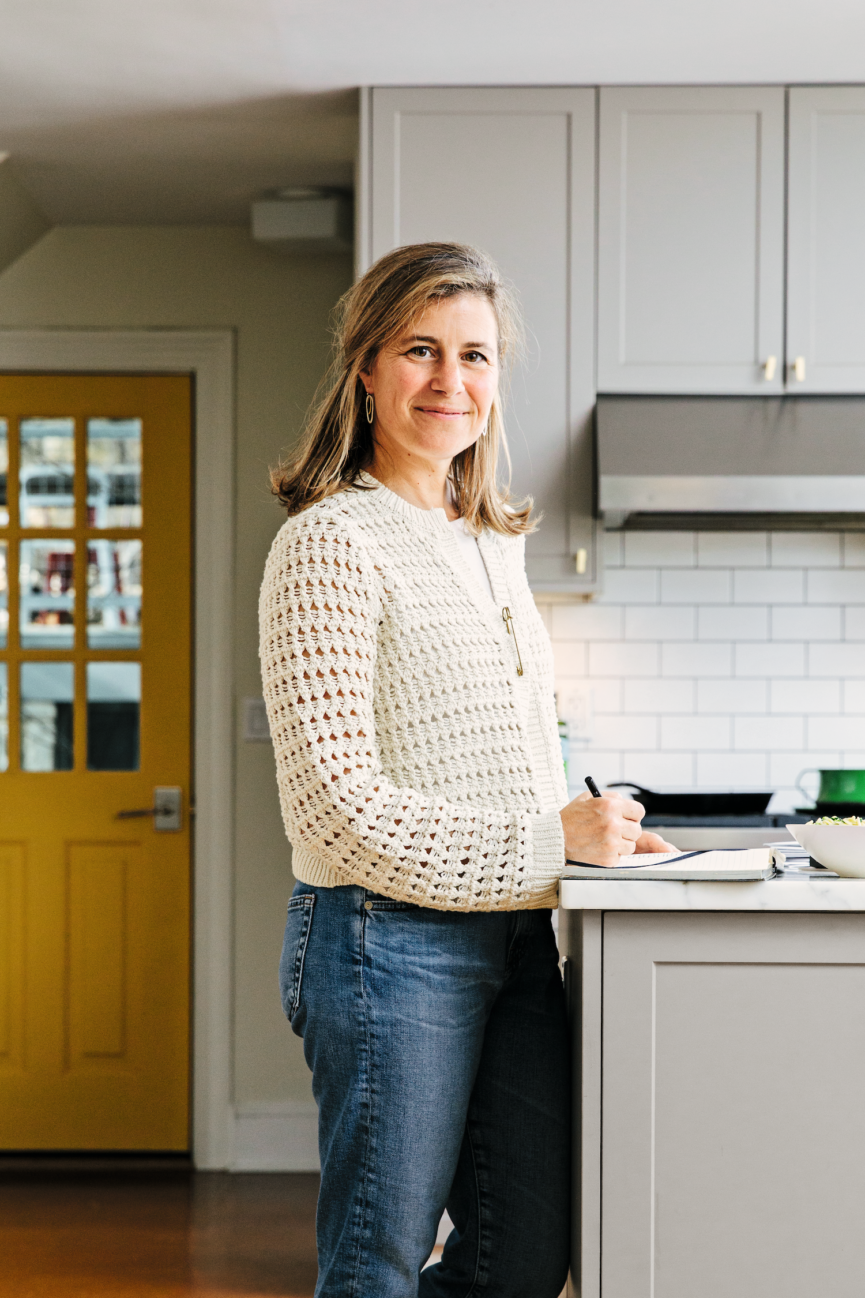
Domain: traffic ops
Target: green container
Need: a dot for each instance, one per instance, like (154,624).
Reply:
(837,786)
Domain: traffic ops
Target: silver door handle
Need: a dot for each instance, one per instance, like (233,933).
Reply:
(166,810)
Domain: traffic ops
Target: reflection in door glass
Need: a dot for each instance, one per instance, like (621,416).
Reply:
(114,473)
(47,472)
(47,594)
(114,594)
(4,718)
(4,597)
(46,716)
(4,473)
(113,706)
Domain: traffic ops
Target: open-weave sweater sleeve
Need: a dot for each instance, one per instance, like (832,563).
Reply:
(323,614)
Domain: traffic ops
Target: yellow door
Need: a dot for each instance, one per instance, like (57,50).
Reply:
(95,635)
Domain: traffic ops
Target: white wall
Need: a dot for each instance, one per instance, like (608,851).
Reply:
(194,277)
(720,661)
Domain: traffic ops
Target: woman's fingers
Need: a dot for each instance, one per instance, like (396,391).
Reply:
(601,830)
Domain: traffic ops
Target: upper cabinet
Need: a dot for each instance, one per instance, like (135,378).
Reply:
(826,248)
(513,172)
(691,240)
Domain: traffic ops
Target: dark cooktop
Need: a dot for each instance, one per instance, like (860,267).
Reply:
(776,821)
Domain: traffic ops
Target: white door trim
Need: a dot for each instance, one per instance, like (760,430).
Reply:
(209,357)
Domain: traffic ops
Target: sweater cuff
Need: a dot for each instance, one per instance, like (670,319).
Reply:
(548,846)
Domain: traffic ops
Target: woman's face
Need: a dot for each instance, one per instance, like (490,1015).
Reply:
(434,385)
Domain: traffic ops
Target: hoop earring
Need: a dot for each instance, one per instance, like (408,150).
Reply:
(370,408)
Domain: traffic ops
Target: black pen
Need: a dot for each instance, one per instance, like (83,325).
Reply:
(592,787)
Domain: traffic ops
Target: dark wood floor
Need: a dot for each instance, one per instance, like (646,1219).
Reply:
(212,1234)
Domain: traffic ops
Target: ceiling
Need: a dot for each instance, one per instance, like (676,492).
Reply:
(162,111)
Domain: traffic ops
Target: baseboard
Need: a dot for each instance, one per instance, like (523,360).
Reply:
(276,1137)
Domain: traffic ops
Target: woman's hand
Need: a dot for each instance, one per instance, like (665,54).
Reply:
(600,831)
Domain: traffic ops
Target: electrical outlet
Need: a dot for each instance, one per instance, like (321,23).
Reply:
(576,706)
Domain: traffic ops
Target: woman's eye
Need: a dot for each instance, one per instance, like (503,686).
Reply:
(475,356)
(420,348)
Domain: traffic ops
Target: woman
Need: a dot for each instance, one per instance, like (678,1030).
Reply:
(409,685)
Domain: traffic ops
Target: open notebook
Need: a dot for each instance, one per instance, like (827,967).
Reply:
(716,866)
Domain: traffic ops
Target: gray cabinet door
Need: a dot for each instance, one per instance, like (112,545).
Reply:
(826,250)
(691,240)
(513,172)
(733,1114)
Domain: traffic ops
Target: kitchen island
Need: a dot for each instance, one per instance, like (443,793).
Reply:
(719,1082)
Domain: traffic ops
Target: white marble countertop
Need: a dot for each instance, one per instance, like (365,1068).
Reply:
(782,893)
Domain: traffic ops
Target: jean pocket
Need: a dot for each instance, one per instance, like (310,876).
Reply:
(294,944)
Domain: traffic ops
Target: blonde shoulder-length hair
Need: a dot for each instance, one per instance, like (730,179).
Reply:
(337,444)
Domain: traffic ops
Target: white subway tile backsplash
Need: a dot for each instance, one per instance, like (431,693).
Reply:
(836,586)
(698,732)
(660,549)
(770,660)
(696,659)
(570,658)
(732,549)
(733,622)
(732,770)
(659,770)
(731,708)
(660,696)
(854,622)
(769,586)
(587,621)
(630,586)
(785,768)
(806,696)
(734,696)
(854,549)
(854,696)
(660,622)
(695,586)
(622,658)
(602,766)
(625,732)
(805,549)
(762,733)
(606,693)
(802,621)
(614,549)
(836,732)
(847,659)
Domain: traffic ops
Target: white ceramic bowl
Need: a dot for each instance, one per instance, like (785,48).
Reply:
(839,847)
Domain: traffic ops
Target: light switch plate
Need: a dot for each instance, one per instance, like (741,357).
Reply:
(577,707)
(256,729)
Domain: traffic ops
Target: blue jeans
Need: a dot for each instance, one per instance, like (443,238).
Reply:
(439,1053)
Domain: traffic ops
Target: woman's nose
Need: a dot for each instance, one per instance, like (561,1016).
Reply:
(448,376)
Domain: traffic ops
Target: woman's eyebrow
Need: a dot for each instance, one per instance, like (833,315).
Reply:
(427,338)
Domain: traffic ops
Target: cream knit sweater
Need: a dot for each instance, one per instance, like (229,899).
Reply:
(404,736)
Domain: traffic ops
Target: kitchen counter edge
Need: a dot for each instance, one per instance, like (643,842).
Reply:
(778,894)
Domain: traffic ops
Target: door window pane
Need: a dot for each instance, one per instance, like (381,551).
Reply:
(113,706)
(4,473)
(4,717)
(47,586)
(47,691)
(114,473)
(114,594)
(47,472)
(4,597)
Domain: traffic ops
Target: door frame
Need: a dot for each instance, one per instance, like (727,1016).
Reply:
(209,356)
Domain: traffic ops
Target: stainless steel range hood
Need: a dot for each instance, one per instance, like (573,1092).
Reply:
(731,462)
